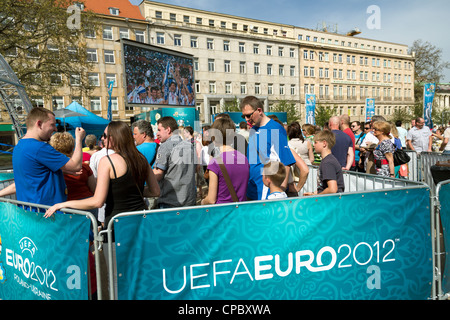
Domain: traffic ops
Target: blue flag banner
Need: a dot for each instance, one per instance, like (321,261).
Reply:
(292,249)
(428,96)
(42,259)
(110,88)
(310,108)
(370,109)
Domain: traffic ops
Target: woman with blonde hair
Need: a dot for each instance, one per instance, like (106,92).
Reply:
(384,152)
(82,184)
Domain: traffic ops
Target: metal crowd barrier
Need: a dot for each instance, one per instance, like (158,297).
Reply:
(41,209)
(356,183)
(425,161)
(4,184)
(440,252)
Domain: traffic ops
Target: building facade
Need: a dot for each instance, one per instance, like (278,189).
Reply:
(235,57)
(238,56)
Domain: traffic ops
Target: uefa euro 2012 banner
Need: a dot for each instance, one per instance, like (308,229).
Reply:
(355,246)
(42,259)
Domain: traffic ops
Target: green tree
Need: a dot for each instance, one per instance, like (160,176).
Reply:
(232,106)
(401,114)
(429,67)
(292,112)
(45,44)
(324,113)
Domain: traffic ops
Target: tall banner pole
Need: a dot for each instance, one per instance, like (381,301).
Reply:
(428,96)
(310,108)
(370,109)
(110,87)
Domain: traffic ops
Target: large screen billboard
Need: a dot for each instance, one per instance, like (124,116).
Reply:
(157,76)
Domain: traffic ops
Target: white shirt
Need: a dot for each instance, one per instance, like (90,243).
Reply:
(402,132)
(95,159)
(447,136)
(277,195)
(420,138)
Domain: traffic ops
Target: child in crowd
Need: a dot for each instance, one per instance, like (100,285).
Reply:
(330,177)
(274,174)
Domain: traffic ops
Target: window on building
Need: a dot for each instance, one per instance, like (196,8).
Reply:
(226,45)
(212,87)
(177,40)
(111,77)
(292,71)
(109,56)
(257,68)
(228,87)
(242,47)
(75,80)
(243,88)
(124,33)
(242,68)
(140,36)
(107,33)
(57,102)
(160,39)
(96,104)
(211,65)
(114,11)
(55,79)
(210,44)
(257,88)
(91,55)
(114,104)
(94,79)
(194,43)
(227,66)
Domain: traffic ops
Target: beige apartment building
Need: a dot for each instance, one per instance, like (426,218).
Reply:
(236,56)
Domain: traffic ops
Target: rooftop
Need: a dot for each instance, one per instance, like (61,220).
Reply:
(125,8)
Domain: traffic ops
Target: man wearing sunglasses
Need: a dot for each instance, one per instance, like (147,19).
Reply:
(267,142)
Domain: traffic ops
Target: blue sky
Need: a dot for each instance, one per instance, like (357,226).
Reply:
(401,21)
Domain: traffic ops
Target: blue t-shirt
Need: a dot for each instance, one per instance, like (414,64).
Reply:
(37,173)
(340,149)
(148,149)
(266,143)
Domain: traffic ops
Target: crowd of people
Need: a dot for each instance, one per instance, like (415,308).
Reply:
(130,164)
(264,160)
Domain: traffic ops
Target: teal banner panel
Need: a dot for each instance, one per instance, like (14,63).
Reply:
(444,199)
(343,247)
(42,259)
